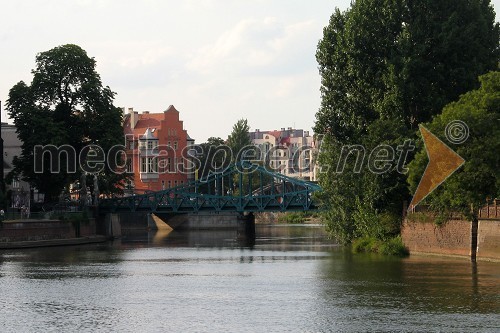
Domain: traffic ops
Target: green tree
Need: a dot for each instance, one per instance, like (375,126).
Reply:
(479,178)
(65,104)
(212,155)
(239,138)
(386,66)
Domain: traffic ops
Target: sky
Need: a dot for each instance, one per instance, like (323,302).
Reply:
(216,61)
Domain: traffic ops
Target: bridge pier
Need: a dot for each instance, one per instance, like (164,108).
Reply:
(248,226)
(109,225)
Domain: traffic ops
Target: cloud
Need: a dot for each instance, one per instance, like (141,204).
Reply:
(255,46)
(198,4)
(139,64)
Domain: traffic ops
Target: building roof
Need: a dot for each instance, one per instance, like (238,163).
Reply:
(151,121)
(144,121)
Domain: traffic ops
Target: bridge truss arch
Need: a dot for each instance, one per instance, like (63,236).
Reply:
(241,187)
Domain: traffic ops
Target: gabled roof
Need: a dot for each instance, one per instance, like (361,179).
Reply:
(171,108)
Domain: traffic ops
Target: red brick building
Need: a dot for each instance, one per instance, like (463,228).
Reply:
(156,147)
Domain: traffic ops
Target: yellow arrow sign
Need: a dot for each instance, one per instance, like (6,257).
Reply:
(443,162)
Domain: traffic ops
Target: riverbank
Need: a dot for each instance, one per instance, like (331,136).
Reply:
(287,218)
(53,242)
(40,233)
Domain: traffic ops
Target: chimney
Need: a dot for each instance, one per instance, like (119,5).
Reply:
(133,117)
(145,112)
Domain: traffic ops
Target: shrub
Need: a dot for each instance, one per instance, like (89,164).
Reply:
(392,246)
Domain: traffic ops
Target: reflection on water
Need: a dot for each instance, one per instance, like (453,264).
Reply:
(289,278)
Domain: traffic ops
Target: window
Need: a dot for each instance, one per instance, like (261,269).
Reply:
(169,184)
(130,166)
(175,182)
(150,145)
(131,145)
(15,183)
(169,163)
(153,164)
(169,144)
(149,164)
(175,144)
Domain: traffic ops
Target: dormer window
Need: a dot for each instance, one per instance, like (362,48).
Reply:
(148,142)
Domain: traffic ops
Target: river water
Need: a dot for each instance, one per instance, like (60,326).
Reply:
(289,279)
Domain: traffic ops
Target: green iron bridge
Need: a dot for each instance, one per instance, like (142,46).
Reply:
(241,187)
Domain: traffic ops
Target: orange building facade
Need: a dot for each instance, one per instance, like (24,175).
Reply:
(157,147)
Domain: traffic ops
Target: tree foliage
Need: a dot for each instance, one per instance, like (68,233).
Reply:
(65,104)
(386,66)
(212,156)
(239,138)
(479,178)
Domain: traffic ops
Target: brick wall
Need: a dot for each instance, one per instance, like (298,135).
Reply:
(452,238)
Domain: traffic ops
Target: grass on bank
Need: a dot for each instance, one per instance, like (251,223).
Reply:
(292,218)
(295,217)
(393,246)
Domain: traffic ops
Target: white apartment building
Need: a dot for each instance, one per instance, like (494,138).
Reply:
(291,152)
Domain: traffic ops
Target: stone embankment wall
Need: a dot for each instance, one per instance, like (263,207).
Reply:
(488,239)
(453,238)
(36,230)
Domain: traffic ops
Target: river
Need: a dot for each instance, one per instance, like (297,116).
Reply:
(289,279)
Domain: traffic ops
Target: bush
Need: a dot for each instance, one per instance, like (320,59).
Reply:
(392,247)
(363,244)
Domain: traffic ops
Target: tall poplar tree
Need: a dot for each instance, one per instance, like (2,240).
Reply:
(386,66)
(239,138)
